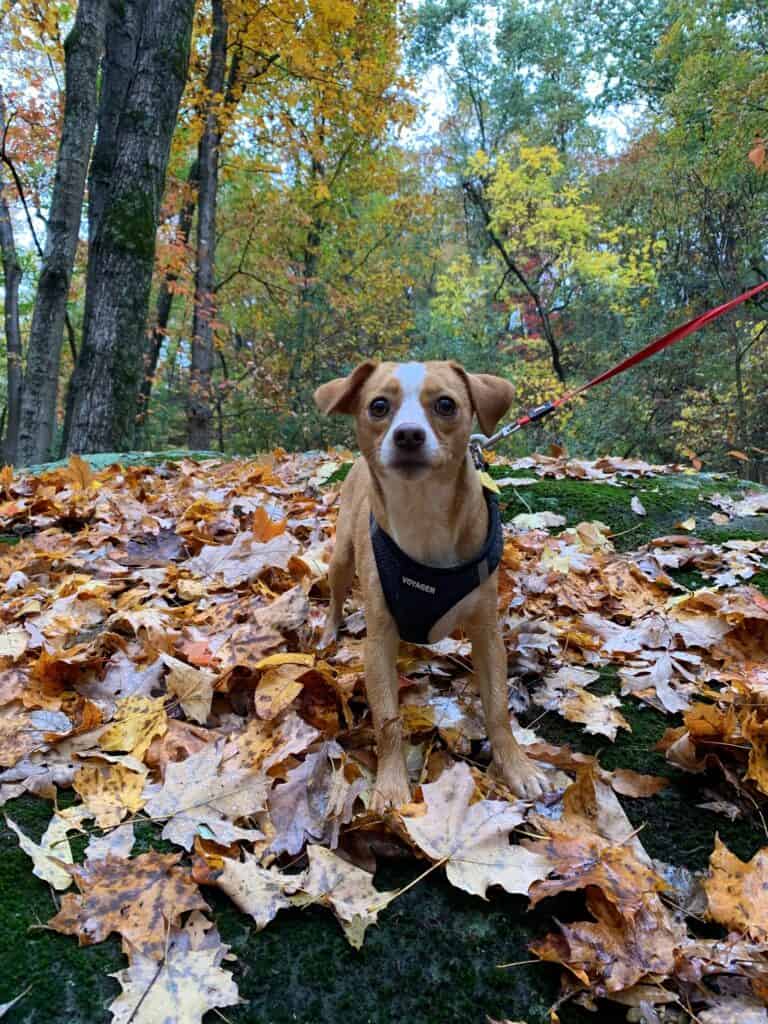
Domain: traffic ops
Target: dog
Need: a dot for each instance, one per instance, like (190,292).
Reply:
(414,515)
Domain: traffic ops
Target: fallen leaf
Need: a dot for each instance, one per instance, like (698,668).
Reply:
(136,722)
(313,803)
(347,889)
(110,791)
(637,506)
(50,853)
(188,982)
(192,686)
(473,838)
(564,692)
(200,792)
(139,899)
(736,891)
(257,891)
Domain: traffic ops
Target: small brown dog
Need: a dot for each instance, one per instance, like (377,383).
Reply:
(421,532)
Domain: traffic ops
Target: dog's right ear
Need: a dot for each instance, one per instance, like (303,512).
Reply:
(340,395)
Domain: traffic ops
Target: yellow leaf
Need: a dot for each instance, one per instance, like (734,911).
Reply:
(286,658)
(136,723)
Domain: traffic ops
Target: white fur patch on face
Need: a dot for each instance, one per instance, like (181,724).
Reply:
(411,379)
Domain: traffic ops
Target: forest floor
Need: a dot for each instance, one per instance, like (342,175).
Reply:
(435,953)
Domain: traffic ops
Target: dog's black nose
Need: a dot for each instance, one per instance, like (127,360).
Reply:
(409,437)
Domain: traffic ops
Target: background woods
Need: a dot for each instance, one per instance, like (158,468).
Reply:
(207,208)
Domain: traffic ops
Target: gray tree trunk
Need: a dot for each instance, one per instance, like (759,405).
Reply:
(164,306)
(82,49)
(200,406)
(11,280)
(128,187)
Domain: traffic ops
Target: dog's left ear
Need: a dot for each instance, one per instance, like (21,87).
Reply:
(491,397)
(340,395)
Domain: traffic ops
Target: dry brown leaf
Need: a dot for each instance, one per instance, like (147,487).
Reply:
(200,794)
(192,686)
(136,723)
(736,891)
(347,889)
(257,891)
(473,838)
(277,689)
(616,951)
(139,899)
(564,692)
(184,987)
(110,791)
(633,784)
(313,803)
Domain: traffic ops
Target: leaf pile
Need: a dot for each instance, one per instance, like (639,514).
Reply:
(158,656)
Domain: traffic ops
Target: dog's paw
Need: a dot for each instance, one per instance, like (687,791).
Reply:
(389,793)
(329,634)
(524,777)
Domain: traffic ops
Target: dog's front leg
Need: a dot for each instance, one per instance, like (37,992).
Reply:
(391,788)
(510,763)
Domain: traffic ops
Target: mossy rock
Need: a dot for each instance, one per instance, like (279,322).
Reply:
(100,460)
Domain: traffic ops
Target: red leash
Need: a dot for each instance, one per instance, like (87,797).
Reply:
(645,353)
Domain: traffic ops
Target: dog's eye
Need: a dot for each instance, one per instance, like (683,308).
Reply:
(445,406)
(379,408)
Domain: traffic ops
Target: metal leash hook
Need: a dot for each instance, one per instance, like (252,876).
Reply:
(479,442)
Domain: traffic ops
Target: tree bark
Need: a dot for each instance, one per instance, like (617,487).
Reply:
(12,274)
(129,179)
(199,409)
(82,49)
(165,303)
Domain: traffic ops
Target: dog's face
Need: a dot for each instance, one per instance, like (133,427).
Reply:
(415,418)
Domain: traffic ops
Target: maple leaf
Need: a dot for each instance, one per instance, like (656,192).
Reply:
(244,559)
(136,722)
(347,889)
(277,689)
(473,838)
(188,982)
(616,951)
(659,671)
(139,899)
(564,692)
(736,891)
(199,792)
(313,803)
(257,891)
(192,686)
(51,853)
(580,858)
(117,842)
(110,791)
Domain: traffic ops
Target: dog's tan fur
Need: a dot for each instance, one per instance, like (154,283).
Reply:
(437,514)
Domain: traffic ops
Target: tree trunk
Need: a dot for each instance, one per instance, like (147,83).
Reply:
(104,391)
(199,410)
(165,303)
(11,280)
(83,49)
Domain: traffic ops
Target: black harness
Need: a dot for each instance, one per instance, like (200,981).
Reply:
(419,595)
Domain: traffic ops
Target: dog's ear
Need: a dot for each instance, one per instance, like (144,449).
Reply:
(491,397)
(340,395)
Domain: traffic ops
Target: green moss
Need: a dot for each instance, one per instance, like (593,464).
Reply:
(675,829)
(667,500)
